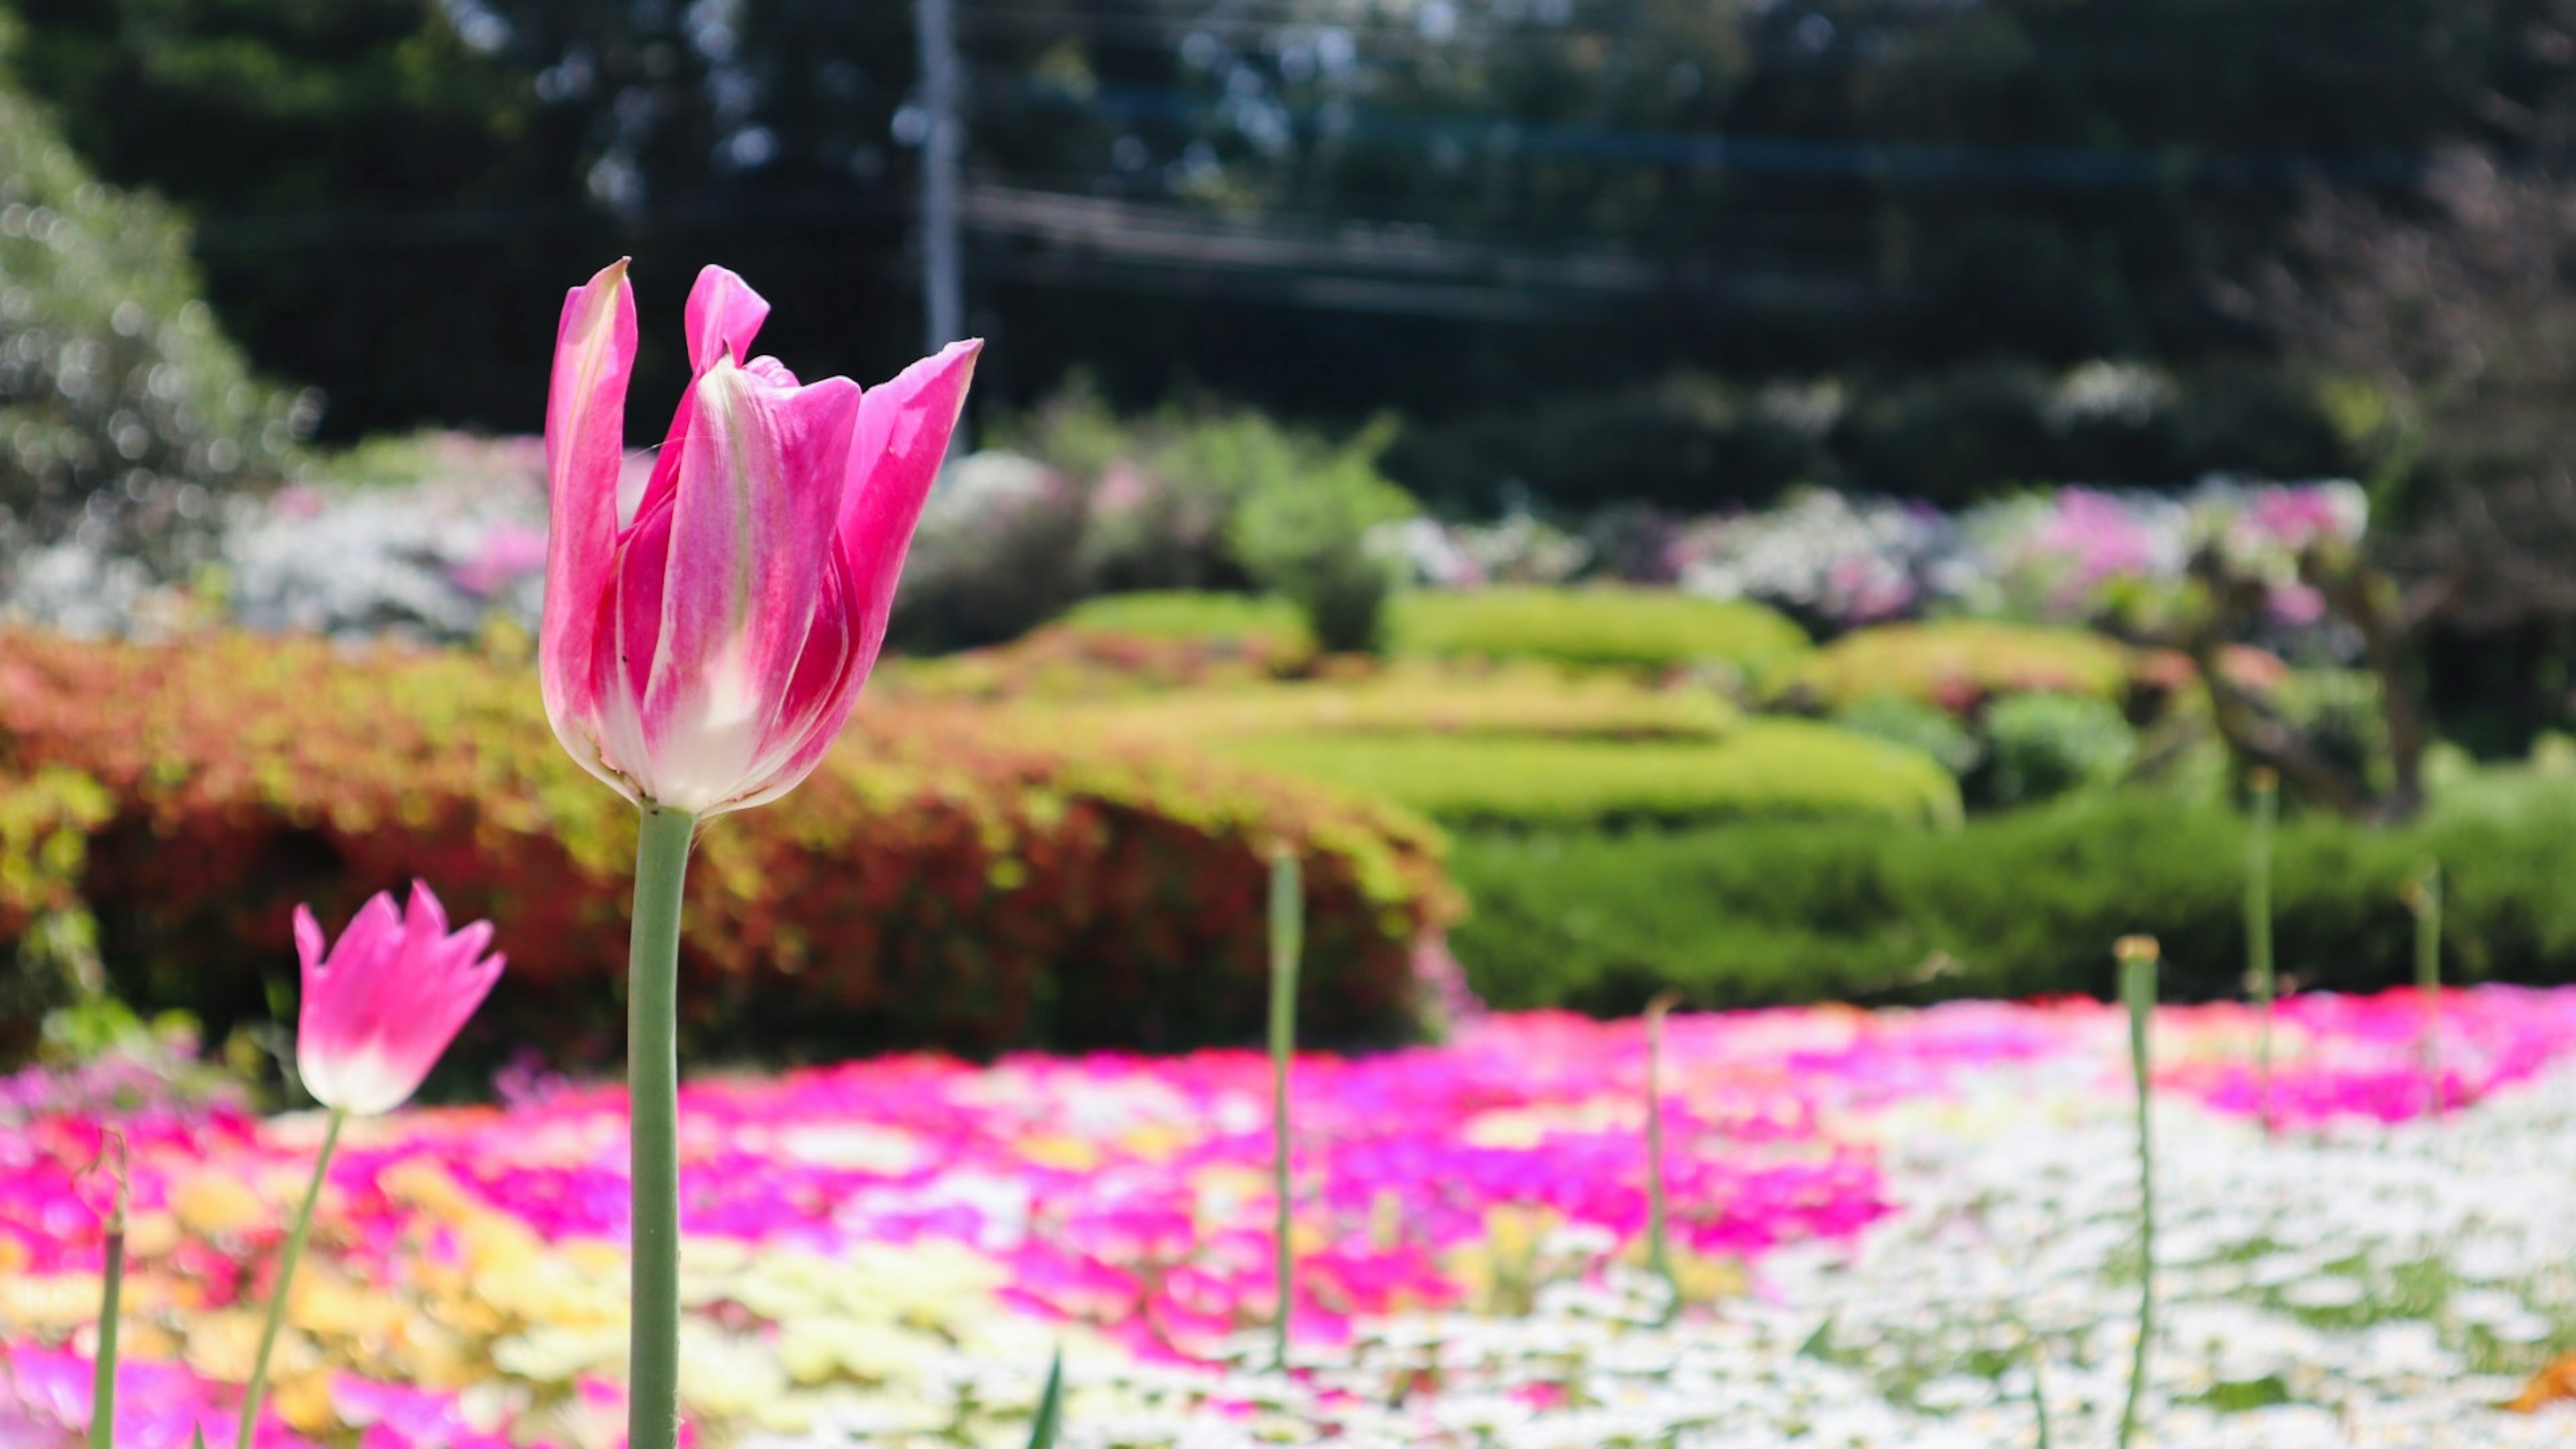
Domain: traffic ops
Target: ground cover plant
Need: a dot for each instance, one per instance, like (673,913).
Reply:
(1882,1223)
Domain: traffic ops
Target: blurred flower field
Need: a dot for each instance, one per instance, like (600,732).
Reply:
(1890,1228)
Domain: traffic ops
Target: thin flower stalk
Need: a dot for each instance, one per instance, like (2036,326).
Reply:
(1287,943)
(2261,977)
(2424,900)
(2138,956)
(255,1394)
(1659,1252)
(111,1296)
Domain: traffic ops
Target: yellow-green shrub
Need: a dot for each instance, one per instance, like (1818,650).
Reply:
(1761,769)
(1955,663)
(1513,699)
(1618,627)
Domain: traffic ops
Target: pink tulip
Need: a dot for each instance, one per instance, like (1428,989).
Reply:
(386,1001)
(704,642)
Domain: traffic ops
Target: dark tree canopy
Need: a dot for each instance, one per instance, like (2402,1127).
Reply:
(1475,211)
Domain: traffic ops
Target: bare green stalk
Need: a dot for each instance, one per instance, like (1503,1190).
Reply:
(111,1299)
(2259,971)
(1659,1252)
(2424,898)
(257,1391)
(1287,941)
(2138,991)
(653,1106)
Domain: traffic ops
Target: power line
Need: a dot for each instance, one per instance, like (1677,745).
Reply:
(1900,161)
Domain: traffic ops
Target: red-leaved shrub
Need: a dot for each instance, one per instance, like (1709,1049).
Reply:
(950,877)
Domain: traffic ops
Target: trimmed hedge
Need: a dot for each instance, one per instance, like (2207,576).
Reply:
(1512,699)
(950,877)
(1955,663)
(1260,620)
(2011,905)
(1623,628)
(1063,661)
(1761,769)
(1615,627)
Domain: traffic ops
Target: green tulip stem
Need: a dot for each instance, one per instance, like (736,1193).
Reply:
(1287,933)
(1659,1252)
(2425,897)
(2258,933)
(111,1304)
(2138,991)
(653,1104)
(257,1390)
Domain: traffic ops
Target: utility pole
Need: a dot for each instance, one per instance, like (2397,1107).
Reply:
(942,147)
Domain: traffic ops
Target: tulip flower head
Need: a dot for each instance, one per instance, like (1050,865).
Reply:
(705,641)
(385,1001)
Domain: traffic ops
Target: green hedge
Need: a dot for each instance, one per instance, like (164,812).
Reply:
(1615,627)
(1409,699)
(1184,614)
(1601,627)
(1760,769)
(952,876)
(2010,905)
(1955,663)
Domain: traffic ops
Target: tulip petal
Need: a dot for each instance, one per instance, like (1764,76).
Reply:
(758,484)
(817,700)
(585,443)
(724,315)
(396,989)
(309,944)
(904,426)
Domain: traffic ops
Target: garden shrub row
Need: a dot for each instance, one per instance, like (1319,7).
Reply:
(1762,769)
(2011,905)
(1651,629)
(1955,663)
(1505,699)
(1627,628)
(949,877)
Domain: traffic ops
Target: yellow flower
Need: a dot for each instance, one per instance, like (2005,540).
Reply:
(214,1204)
(48,1301)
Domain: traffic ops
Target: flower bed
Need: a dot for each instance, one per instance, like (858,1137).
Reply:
(1885,1219)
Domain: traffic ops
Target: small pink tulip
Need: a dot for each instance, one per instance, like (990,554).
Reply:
(705,640)
(386,1001)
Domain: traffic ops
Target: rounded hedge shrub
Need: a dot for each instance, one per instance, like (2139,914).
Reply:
(1955,663)
(1618,627)
(1762,769)
(2043,745)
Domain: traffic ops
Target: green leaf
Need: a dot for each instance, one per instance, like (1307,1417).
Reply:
(1050,1406)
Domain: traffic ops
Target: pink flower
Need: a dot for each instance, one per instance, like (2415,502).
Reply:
(386,1001)
(505,554)
(703,645)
